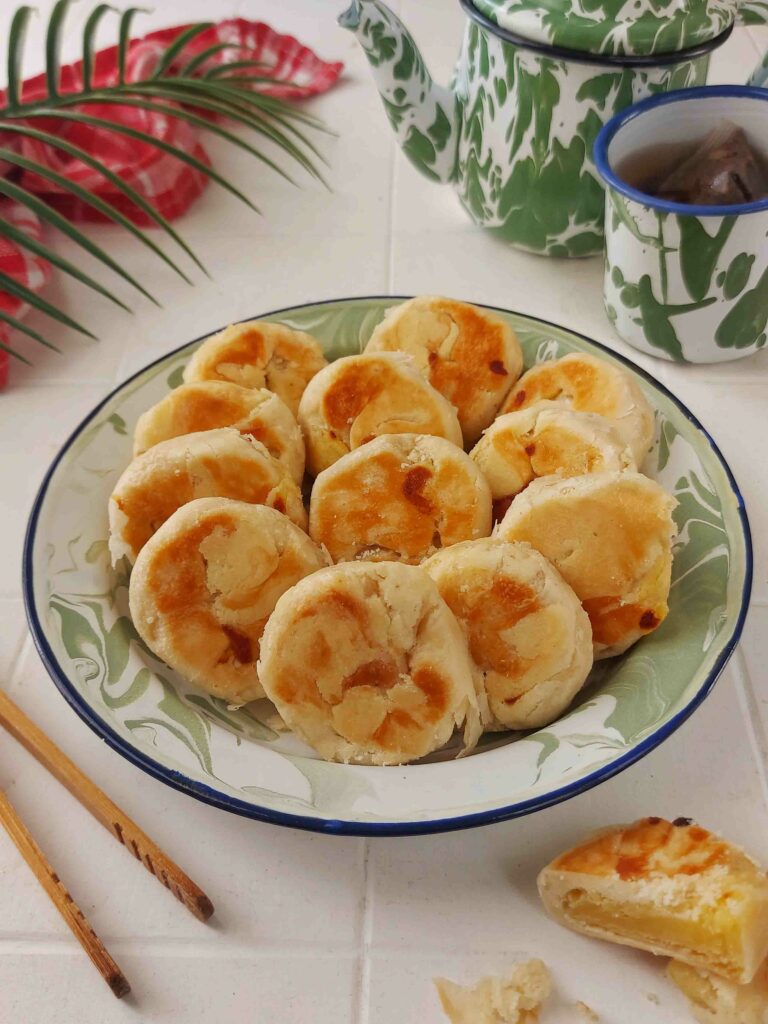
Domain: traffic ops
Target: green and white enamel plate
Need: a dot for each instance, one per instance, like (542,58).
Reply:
(77,609)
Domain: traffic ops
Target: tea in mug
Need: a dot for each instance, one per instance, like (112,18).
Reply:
(724,168)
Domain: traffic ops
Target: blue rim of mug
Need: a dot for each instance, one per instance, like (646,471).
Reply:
(609,131)
(620,60)
(348,826)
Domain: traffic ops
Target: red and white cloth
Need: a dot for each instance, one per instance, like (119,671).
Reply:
(168,184)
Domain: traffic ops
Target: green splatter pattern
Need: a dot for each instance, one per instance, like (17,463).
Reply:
(685,288)
(615,27)
(516,137)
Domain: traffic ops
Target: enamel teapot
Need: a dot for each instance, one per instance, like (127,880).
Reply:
(535,82)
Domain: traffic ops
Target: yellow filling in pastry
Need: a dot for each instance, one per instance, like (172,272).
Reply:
(714,932)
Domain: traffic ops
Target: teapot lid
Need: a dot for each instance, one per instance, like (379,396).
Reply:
(613,27)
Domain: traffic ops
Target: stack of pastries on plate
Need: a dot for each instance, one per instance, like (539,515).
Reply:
(392,613)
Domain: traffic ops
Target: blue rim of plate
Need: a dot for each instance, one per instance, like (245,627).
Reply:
(332,826)
(609,131)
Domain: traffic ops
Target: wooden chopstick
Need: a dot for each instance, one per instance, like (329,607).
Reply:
(66,906)
(103,809)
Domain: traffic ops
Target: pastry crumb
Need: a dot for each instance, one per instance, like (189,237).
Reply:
(586,1014)
(514,998)
(653,998)
(714,1000)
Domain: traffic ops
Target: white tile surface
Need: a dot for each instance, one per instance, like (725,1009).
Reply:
(310,929)
(34,423)
(171,987)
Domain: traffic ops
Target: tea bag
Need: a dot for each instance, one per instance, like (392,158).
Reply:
(724,169)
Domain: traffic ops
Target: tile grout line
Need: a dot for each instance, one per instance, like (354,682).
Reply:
(16,664)
(390,225)
(362,991)
(755,42)
(393,177)
(758,738)
(758,380)
(192,949)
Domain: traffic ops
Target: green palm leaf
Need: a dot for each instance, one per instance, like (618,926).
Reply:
(14,353)
(109,211)
(22,239)
(19,325)
(140,136)
(178,45)
(50,216)
(225,90)
(16,37)
(89,37)
(28,131)
(201,58)
(124,37)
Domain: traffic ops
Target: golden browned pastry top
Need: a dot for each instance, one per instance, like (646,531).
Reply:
(589,384)
(205,584)
(212,463)
(367,664)
(256,354)
(528,635)
(401,497)
(357,398)
(650,847)
(469,354)
(547,439)
(610,536)
(209,404)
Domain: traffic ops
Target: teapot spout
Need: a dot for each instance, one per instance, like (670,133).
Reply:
(424,116)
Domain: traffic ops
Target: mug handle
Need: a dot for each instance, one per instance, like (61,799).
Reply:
(755,12)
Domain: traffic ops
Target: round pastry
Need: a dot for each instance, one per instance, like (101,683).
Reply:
(358,398)
(205,584)
(470,355)
(399,498)
(588,384)
(546,439)
(209,404)
(669,887)
(259,355)
(527,632)
(610,536)
(210,464)
(368,665)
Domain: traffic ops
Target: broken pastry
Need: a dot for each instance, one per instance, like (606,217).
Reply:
(587,384)
(360,397)
(259,355)
(713,1000)
(610,537)
(671,888)
(367,664)
(546,439)
(208,404)
(210,464)
(399,497)
(514,998)
(469,354)
(528,635)
(205,584)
